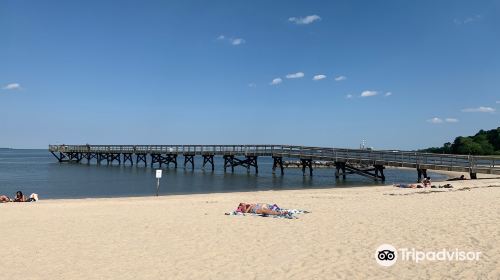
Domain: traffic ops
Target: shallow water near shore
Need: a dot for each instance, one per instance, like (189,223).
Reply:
(38,171)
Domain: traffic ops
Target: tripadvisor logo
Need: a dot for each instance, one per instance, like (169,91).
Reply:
(387,255)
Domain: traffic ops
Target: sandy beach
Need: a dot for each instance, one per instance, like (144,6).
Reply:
(189,237)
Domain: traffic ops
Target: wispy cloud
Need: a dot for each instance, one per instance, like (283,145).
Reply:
(231,40)
(349,96)
(435,120)
(479,110)
(12,86)
(252,85)
(295,75)
(340,78)
(304,20)
(387,94)
(498,102)
(237,41)
(469,19)
(276,81)
(319,77)
(368,93)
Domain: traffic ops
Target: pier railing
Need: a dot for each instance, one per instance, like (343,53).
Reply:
(464,163)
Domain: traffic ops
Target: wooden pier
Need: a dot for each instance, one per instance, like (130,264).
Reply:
(368,163)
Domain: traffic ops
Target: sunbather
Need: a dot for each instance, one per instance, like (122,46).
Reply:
(259,208)
(19,197)
(4,198)
(427,182)
(408,186)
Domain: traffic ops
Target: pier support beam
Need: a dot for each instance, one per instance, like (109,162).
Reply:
(61,157)
(111,157)
(228,162)
(231,161)
(89,156)
(100,157)
(473,175)
(208,159)
(127,157)
(420,172)
(167,159)
(376,172)
(306,163)
(189,158)
(75,156)
(278,161)
(141,157)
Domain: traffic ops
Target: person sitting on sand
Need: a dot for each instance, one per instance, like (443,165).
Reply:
(259,208)
(20,197)
(427,182)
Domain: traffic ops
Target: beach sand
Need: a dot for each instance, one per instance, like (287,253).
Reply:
(189,237)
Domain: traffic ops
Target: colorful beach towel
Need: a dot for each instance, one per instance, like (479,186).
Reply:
(287,214)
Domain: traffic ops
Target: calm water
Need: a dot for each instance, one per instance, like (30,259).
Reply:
(38,171)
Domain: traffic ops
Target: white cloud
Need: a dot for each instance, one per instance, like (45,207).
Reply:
(469,19)
(498,102)
(295,75)
(435,120)
(368,93)
(340,78)
(232,41)
(319,77)
(252,85)
(388,94)
(349,96)
(304,20)
(276,81)
(237,41)
(12,86)
(479,110)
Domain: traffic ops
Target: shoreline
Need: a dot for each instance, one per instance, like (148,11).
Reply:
(459,184)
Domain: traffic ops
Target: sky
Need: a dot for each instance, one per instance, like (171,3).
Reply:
(397,74)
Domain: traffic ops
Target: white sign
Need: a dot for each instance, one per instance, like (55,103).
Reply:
(158,174)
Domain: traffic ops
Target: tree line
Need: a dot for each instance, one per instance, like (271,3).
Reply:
(483,143)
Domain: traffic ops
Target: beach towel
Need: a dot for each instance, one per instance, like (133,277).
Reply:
(287,214)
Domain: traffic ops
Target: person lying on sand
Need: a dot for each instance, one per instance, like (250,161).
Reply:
(462,177)
(408,186)
(259,208)
(4,198)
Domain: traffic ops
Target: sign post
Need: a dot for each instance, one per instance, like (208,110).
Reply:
(158,176)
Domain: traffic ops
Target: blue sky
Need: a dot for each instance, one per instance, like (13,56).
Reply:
(189,72)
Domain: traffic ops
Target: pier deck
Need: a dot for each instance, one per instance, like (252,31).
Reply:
(346,160)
